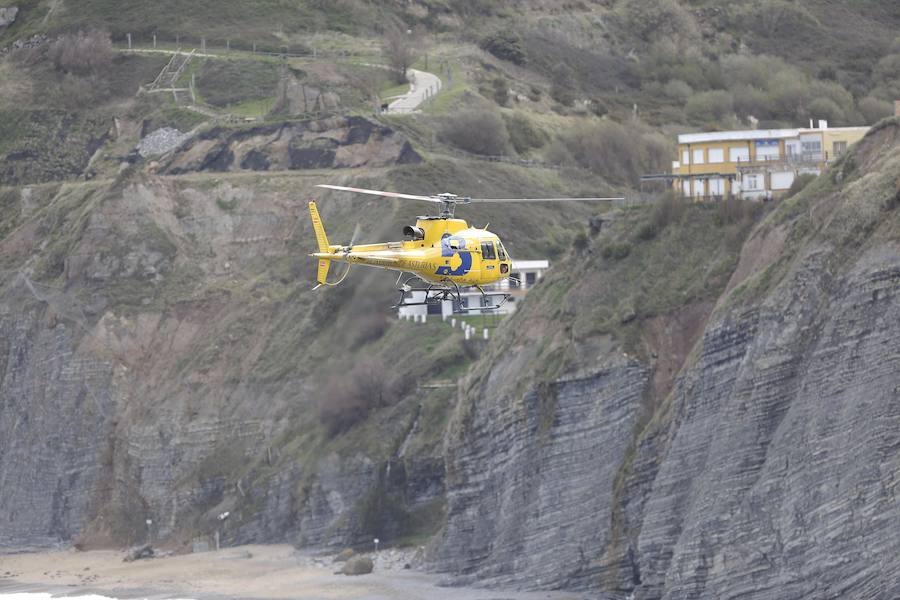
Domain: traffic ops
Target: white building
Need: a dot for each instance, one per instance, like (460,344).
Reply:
(527,272)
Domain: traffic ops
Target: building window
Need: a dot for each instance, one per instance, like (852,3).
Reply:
(839,148)
(698,156)
(812,149)
(738,154)
(752,182)
(699,188)
(686,187)
(685,157)
(716,155)
(767,150)
(530,278)
(717,186)
(487,251)
(516,276)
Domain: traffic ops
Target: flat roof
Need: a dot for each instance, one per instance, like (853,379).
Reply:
(531,264)
(756,134)
(750,134)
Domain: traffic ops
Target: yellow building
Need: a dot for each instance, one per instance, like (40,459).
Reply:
(758,163)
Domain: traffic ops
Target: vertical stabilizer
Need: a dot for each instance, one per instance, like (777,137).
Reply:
(322,240)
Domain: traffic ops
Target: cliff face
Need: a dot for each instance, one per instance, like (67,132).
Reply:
(769,470)
(160,358)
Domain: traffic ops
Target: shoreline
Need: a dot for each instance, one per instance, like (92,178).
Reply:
(252,572)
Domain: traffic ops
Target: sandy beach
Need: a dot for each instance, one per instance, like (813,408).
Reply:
(255,571)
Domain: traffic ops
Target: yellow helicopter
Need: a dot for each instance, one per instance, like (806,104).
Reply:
(442,255)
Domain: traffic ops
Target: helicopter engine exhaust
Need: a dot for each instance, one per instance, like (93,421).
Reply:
(416,233)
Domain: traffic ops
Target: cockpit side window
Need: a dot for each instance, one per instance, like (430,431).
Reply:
(487,251)
(501,250)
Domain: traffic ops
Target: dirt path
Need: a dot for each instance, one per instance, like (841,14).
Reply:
(258,572)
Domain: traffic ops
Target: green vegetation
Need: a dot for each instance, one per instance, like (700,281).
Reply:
(861,209)
(655,260)
(478,132)
(223,83)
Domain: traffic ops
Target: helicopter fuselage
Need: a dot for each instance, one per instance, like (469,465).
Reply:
(442,251)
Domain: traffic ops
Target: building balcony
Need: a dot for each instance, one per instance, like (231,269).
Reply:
(788,161)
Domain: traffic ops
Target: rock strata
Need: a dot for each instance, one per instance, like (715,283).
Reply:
(769,470)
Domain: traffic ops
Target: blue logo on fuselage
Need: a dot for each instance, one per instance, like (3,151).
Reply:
(465,257)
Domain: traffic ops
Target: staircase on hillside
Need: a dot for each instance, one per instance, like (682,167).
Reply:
(169,76)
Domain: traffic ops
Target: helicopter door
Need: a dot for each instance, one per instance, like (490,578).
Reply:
(490,266)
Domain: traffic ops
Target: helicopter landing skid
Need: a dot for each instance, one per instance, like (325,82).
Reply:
(436,293)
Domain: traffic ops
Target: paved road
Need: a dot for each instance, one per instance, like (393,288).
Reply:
(423,86)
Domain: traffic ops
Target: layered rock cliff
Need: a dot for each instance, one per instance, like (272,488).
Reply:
(769,470)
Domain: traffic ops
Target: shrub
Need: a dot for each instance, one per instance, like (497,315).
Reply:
(748,101)
(562,93)
(733,210)
(616,250)
(800,182)
(668,210)
(476,131)
(561,90)
(612,150)
(598,107)
(887,69)
(788,93)
(651,19)
(523,135)
(678,90)
(826,108)
(580,242)
(709,106)
(370,328)
(500,91)
(348,398)
(780,18)
(82,53)
(506,45)
(753,71)
(874,109)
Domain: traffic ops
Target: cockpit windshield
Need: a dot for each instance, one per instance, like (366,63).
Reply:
(501,250)
(487,251)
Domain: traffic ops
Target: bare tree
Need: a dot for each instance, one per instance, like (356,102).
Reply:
(399,47)
(82,53)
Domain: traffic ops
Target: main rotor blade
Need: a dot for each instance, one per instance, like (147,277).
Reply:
(378,193)
(543,199)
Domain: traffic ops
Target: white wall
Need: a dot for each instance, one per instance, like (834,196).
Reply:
(782,180)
